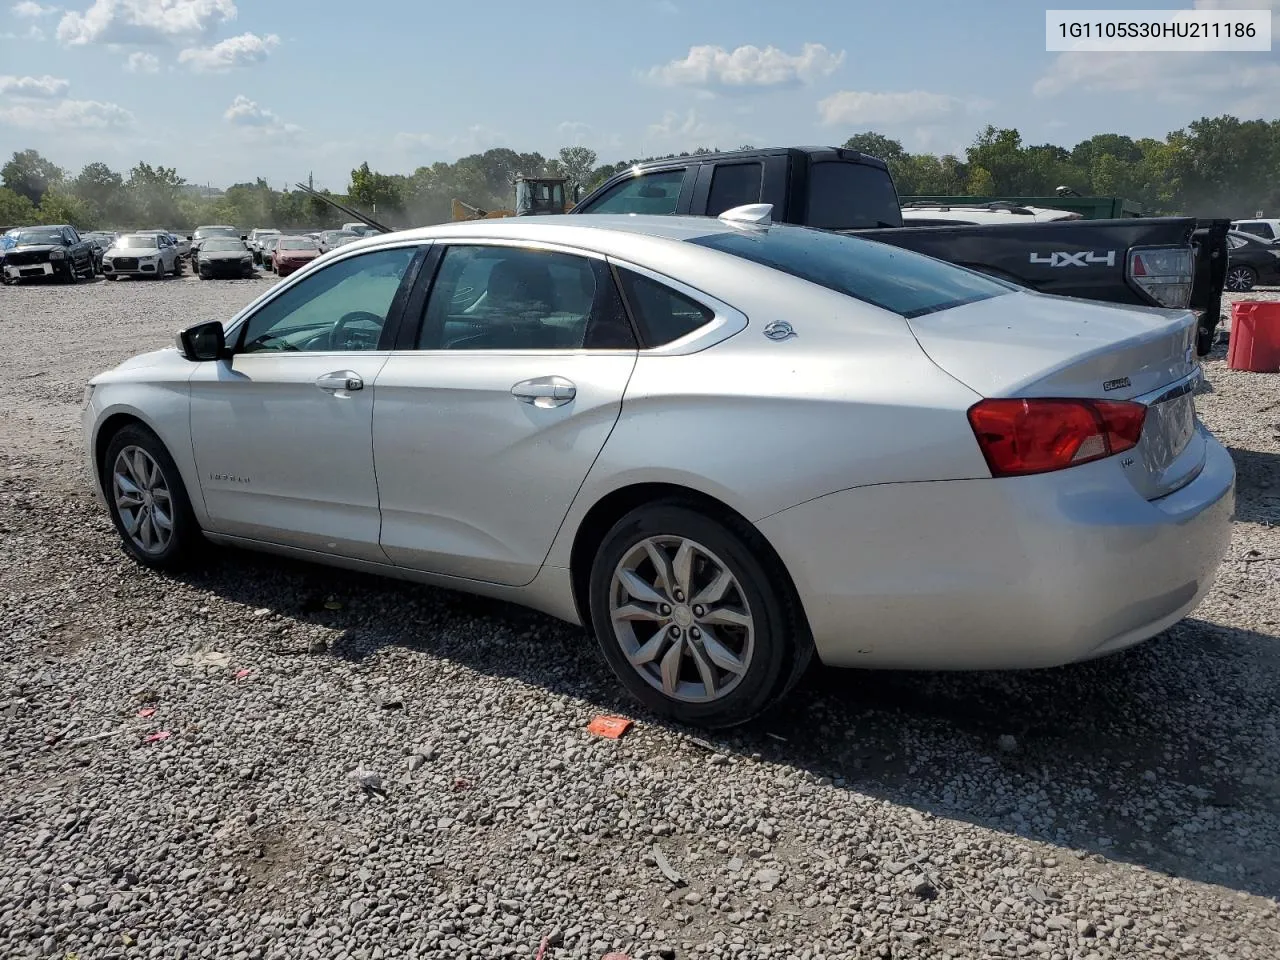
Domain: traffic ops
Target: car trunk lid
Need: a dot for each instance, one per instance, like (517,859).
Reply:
(1030,345)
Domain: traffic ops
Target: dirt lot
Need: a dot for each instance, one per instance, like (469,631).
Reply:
(1128,807)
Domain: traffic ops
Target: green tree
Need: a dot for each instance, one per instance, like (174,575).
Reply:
(103,189)
(59,207)
(376,193)
(15,209)
(576,163)
(30,174)
(878,145)
(155,192)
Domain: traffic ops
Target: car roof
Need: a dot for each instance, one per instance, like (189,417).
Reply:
(584,229)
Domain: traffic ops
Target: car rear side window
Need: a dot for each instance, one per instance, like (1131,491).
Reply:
(733,185)
(900,281)
(662,314)
(655,193)
(1257,229)
(513,298)
(851,196)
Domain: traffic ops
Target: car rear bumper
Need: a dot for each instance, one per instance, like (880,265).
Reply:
(1003,574)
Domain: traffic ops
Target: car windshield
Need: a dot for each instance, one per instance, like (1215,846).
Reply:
(296,243)
(204,232)
(40,235)
(270,241)
(137,242)
(223,243)
(906,283)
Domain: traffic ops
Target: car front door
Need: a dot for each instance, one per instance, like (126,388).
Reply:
(282,429)
(488,422)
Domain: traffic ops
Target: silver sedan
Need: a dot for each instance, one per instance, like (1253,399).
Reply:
(722,445)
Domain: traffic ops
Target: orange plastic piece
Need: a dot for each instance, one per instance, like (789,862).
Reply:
(611,727)
(1255,336)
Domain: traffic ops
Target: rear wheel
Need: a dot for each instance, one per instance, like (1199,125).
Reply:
(696,617)
(69,274)
(1241,279)
(148,501)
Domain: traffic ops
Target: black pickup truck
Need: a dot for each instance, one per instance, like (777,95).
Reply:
(1150,261)
(56,251)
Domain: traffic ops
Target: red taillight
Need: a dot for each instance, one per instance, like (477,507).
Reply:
(1035,436)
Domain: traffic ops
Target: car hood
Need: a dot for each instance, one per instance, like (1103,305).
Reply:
(224,254)
(133,251)
(37,247)
(298,254)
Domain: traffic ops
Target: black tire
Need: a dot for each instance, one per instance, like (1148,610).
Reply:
(186,540)
(782,647)
(203,275)
(177,266)
(1241,278)
(69,274)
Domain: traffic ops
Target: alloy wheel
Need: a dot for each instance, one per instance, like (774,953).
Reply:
(681,619)
(143,500)
(1239,279)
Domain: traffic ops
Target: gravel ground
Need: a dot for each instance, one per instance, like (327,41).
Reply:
(357,768)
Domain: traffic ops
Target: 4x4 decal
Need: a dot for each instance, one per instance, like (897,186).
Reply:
(1083,258)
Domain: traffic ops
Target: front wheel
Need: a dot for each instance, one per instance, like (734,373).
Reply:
(695,615)
(1240,279)
(148,500)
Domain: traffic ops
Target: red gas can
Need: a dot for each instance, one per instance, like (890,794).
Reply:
(1255,336)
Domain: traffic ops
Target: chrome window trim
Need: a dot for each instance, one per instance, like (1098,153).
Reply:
(726,321)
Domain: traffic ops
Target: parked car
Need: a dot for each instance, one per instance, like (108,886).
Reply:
(344,240)
(1156,261)
(1263,229)
(214,230)
(255,238)
(142,255)
(1251,261)
(54,251)
(268,246)
(224,257)
(181,246)
(102,242)
(913,466)
(291,253)
(332,238)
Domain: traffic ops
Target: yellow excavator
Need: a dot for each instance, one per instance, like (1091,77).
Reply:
(534,195)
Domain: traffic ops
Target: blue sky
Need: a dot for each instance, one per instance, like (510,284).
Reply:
(226,90)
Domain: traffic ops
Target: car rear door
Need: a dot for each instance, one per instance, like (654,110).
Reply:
(495,405)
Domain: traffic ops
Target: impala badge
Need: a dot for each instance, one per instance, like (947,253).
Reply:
(779,330)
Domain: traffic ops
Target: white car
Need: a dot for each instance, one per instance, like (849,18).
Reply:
(940,215)
(1263,229)
(724,445)
(255,239)
(142,255)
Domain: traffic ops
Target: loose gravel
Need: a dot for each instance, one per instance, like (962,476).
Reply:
(265,759)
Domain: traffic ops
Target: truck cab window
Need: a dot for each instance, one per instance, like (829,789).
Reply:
(656,193)
(733,185)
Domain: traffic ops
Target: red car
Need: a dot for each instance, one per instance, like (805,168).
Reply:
(293,252)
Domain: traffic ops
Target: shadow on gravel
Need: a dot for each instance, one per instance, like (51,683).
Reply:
(1258,482)
(1166,756)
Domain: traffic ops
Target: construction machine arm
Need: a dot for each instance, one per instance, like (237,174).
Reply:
(353,214)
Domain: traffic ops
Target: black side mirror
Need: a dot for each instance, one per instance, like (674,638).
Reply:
(244,236)
(204,341)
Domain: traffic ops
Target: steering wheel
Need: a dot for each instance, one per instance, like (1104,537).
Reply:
(335,341)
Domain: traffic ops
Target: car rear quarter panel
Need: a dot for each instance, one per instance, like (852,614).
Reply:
(762,425)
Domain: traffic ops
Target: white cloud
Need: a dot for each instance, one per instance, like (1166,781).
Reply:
(685,131)
(1241,83)
(747,67)
(856,107)
(33,33)
(36,88)
(31,10)
(474,139)
(241,51)
(144,21)
(66,115)
(139,62)
(259,121)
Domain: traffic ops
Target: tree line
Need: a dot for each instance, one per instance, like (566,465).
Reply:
(1216,166)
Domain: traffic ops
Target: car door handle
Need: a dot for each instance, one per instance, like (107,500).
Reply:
(545,391)
(340,380)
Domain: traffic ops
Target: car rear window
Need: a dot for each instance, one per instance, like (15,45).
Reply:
(906,283)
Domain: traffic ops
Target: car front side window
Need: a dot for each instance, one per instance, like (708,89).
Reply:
(342,307)
(516,298)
